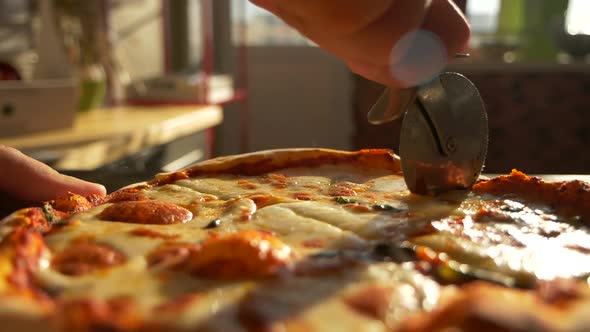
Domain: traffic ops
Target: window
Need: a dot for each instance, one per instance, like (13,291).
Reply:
(483,15)
(261,28)
(576,18)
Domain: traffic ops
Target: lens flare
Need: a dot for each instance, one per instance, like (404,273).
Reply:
(418,57)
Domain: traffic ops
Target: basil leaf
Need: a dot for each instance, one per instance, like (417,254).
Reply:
(52,218)
(213,224)
(344,200)
(49,214)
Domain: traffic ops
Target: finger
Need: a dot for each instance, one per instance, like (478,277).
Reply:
(422,54)
(447,21)
(367,34)
(373,72)
(337,17)
(29,179)
(347,33)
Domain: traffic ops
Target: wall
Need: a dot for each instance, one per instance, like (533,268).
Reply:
(297,97)
(539,116)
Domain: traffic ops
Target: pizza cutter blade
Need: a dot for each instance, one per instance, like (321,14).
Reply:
(444,136)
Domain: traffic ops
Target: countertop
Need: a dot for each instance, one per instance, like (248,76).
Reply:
(105,135)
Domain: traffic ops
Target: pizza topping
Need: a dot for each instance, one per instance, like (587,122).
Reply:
(72,203)
(393,252)
(278,181)
(343,232)
(247,184)
(146,212)
(116,314)
(263,309)
(522,241)
(559,291)
(295,222)
(239,209)
(341,189)
(515,253)
(49,214)
(84,258)
(148,232)
(177,304)
(485,307)
(303,196)
(314,243)
(31,218)
(570,198)
(169,178)
(84,238)
(21,253)
(359,206)
(265,200)
(213,224)
(260,311)
(243,255)
(125,196)
(345,200)
(204,198)
(328,262)
(171,255)
(387,207)
(460,314)
(406,229)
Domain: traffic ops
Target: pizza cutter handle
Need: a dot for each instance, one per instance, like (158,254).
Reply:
(387,109)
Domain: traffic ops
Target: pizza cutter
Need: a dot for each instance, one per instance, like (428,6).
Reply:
(444,134)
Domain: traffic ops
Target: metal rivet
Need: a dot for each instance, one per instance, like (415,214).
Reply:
(451,144)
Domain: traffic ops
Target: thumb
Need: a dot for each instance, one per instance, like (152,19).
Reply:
(28,179)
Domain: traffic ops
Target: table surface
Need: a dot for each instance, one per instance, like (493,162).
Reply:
(105,135)
(151,125)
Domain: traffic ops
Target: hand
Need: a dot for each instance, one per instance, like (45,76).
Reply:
(27,179)
(366,34)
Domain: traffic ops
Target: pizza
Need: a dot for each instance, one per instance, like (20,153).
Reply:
(301,240)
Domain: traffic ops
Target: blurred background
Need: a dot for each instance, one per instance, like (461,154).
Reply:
(116,90)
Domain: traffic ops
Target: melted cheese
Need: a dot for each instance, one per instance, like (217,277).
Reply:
(514,239)
(295,228)
(296,223)
(318,225)
(177,194)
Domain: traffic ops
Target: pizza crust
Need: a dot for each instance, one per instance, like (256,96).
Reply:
(272,160)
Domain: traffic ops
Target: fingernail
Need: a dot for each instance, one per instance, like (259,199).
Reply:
(418,57)
(100,189)
(84,188)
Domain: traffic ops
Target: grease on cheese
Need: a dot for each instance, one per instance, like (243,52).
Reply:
(522,241)
(295,228)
